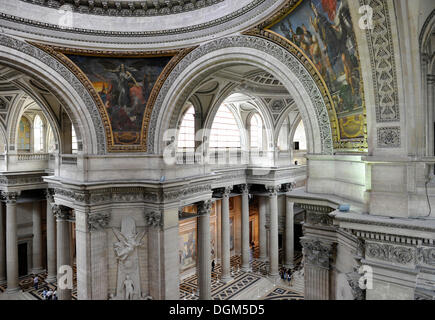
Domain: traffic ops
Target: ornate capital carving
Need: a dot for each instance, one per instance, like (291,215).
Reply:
(10,196)
(244,188)
(153,218)
(317,253)
(287,187)
(49,194)
(98,221)
(204,208)
(62,213)
(227,191)
(273,190)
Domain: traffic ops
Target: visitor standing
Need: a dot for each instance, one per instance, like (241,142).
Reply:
(35,282)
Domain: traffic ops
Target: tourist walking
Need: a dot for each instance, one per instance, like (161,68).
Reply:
(35,282)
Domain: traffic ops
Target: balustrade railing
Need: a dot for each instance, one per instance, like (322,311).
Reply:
(33,156)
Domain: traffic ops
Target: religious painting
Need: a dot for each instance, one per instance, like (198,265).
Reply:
(187,249)
(323,30)
(213,240)
(24,135)
(124,86)
(231,233)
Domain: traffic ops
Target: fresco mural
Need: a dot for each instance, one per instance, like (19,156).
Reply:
(124,86)
(187,249)
(323,30)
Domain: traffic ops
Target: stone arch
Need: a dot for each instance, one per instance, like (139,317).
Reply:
(62,83)
(236,50)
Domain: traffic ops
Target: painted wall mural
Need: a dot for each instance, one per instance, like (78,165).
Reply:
(124,86)
(187,249)
(323,30)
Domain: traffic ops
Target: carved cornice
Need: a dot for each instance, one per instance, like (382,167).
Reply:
(317,253)
(98,221)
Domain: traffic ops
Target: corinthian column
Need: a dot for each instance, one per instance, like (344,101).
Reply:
(51,239)
(289,234)
(226,267)
(273,243)
(204,251)
(2,245)
(37,238)
(245,229)
(262,228)
(11,241)
(63,250)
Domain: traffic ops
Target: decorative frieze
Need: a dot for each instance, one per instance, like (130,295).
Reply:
(426,256)
(389,137)
(390,253)
(316,218)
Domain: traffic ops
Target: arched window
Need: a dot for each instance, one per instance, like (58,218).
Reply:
(74,140)
(38,135)
(186,135)
(225,133)
(24,135)
(300,140)
(256,132)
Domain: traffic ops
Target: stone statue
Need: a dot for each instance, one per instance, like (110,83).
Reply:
(128,284)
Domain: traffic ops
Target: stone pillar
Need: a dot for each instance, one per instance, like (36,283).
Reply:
(226,253)
(204,251)
(219,228)
(11,241)
(317,257)
(37,238)
(262,226)
(245,229)
(289,235)
(2,245)
(63,247)
(51,239)
(273,243)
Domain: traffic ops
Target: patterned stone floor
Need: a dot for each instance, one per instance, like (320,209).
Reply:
(26,285)
(242,281)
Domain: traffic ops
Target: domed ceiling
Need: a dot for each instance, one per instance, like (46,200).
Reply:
(127,7)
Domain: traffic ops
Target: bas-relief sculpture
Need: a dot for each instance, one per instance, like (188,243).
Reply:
(126,252)
(124,86)
(323,30)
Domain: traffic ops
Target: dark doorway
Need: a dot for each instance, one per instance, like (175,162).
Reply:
(22,259)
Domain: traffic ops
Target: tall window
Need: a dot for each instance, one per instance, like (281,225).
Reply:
(38,135)
(24,135)
(225,133)
(186,136)
(74,140)
(300,136)
(256,132)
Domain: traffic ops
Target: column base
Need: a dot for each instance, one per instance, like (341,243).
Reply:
(3,281)
(263,259)
(51,279)
(273,277)
(12,290)
(289,266)
(226,279)
(38,270)
(246,269)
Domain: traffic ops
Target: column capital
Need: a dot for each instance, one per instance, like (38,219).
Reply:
(98,221)
(287,187)
(62,212)
(10,196)
(153,218)
(204,208)
(49,194)
(317,253)
(273,190)
(227,190)
(244,188)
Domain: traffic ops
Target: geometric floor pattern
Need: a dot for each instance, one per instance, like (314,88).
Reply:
(242,281)
(26,285)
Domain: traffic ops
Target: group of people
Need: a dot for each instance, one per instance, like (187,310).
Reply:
(286,274)
(47,293)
